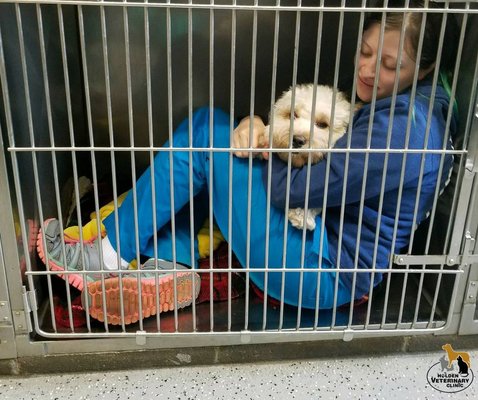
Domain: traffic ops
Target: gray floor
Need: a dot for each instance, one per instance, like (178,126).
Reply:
(398,376)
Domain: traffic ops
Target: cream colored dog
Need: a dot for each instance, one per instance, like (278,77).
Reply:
(324,132)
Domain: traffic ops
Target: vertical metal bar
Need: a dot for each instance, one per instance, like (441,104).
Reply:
(34,159)
(306,205)
(385,162)
(449,116)
(104,37)
(171,160)
(422,166)
(90,135)
(230,169)
(289,165)
(432,217)
(461,173)
(410,113)
(442,159)
(72,141)
(6,99)
(399,197)
(269,162)
(427,135)
(332,118)
(312,122)
(211,160)
(65,68)
(318,50)
(369,139)
(52,141)
(133,171)
(347,160)
(471,106)
(114,183)
(191,144)
(469,223)
(249,175)
(147,46)
(16,178)
(472,206)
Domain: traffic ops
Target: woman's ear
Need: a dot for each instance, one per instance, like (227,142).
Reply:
(423,72)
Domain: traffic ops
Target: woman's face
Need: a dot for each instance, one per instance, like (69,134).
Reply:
(388,64)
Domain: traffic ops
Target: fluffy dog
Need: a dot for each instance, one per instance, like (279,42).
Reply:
(323,135)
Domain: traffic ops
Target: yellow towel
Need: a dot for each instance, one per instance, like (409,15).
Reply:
(203,239)
(90,230)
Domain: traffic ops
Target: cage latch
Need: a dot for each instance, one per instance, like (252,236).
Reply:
(140,338)
(348,335)
(245,336)
(469,258)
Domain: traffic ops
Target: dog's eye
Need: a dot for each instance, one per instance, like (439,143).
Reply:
(296,115)
(322,124)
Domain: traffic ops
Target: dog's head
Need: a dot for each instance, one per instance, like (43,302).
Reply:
(308,131)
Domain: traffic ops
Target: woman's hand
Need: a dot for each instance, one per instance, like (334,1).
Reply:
(241,136)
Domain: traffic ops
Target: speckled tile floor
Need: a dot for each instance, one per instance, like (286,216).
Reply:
(399,376)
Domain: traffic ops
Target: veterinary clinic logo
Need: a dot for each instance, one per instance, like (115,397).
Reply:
(452,373)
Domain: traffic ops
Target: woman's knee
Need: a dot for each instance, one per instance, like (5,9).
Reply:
(205,113)
(221,123)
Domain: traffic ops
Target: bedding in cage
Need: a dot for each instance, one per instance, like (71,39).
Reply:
(90,94)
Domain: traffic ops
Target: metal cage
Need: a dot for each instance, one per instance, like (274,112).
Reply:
(95,88)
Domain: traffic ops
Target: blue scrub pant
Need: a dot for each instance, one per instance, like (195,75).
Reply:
(203,162)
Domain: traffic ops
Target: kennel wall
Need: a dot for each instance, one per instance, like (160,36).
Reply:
(94,88)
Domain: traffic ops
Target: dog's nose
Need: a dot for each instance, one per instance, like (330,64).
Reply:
(298,142)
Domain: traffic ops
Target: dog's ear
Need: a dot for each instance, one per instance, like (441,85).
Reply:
(358,106)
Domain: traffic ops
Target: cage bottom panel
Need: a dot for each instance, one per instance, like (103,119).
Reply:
(378,313)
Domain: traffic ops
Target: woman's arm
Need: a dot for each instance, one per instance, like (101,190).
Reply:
(356,165)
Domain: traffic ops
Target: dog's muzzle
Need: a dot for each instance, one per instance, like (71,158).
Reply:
(298,142)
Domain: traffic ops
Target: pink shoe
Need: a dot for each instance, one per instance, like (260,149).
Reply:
(50,249)
(152,297)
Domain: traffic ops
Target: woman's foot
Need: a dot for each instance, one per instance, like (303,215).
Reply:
(73,258)
(155,286)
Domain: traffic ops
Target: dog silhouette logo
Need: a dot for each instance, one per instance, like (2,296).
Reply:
(452,373)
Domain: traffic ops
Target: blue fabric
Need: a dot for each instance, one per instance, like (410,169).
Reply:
(363,248)
(203,163)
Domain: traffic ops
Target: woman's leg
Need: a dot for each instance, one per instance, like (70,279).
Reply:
(181,191)
(254,255)
(219,186)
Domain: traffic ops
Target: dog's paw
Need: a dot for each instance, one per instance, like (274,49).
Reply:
(298,218)
(310,218)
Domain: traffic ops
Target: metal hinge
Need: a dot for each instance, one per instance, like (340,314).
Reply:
(5,317)
(22,318)
(471,293)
